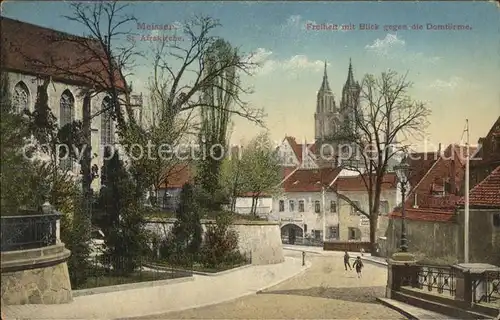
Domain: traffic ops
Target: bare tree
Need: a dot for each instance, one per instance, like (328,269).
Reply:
(378,131)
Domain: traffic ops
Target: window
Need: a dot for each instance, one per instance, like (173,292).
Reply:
(317,206)
(66,117)
(301,205)
(496,220)
(281,206)
(305,228)
(352,234)
(333,206)
(333,233)
(20,99)
(106,122)
(384,207)
(317,234)
(291,205)
(353,209)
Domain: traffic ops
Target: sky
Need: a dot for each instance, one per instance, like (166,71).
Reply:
(455,72)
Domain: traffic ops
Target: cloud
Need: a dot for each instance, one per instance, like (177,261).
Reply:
(451,84)
(394,47)
(383,46)
(296,63)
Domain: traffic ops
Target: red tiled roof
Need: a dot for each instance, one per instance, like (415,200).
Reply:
(310,180)
(36,50)
(424,214)
(178,176)
(420,163)
(487,192)
(357,183)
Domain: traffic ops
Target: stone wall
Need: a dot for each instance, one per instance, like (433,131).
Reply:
(484,236)
(443,242)
(36,276)
(260,238)
(433,242)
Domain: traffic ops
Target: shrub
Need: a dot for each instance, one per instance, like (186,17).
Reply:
(220,243)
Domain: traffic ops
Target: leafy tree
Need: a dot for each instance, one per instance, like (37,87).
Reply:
(222,93)
(122,212)
(385,116)
(187,231)
(261,174)
(232,179)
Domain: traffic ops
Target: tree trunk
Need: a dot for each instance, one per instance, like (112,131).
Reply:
(86,164)
(373,232)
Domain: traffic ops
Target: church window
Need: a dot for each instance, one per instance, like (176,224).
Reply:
(66,117)
(291,205)
(21,97)
(106,122)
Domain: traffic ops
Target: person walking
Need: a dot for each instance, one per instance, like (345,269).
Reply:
(346,261)
(358,264)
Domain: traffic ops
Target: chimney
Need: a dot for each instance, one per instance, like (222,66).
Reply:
(439,149)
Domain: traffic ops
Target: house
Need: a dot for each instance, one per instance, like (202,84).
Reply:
(37,58)
(293,154)
(487,157)
(263,208)
(305,202)
(352,224)
(169,192)
(430,208)
(484,220)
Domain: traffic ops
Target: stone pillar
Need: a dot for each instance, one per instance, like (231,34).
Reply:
(401,270)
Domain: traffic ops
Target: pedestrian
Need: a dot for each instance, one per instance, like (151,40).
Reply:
(346,261)
(358,264)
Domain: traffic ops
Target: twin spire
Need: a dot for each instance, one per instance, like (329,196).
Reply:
(350,82)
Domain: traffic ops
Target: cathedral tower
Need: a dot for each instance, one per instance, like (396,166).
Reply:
(349,104)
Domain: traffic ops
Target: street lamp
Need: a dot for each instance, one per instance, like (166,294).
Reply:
(47,208)
(402,171)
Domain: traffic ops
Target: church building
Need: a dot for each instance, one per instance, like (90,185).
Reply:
(36,58)
(332,120)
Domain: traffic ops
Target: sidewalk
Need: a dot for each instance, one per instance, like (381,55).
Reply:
(203,291)
(319,250)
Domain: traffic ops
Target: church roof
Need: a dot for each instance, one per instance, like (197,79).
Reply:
(325,86)
(31,49)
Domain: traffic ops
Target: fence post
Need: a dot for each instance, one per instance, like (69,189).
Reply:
(303,258)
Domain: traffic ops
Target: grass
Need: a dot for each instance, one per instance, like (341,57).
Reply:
(100,278)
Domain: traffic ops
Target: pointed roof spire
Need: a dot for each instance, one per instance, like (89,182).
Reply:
(325,86)
(350,77)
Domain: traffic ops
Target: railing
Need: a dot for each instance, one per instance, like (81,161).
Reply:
(439,279)
(491,289)
(301,241)
(29,231)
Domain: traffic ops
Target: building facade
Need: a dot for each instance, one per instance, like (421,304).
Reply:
(33,61)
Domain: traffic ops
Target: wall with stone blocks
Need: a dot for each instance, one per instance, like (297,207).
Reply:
(36,276)
(260,238)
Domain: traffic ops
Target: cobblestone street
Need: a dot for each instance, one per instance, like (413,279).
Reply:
(324,291)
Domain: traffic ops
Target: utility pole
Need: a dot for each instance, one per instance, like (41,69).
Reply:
(324,212)
(466,212)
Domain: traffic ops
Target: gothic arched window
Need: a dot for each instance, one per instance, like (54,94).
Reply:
(21,97)
(106,122)
(66,116)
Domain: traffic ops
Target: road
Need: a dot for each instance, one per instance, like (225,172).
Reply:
(324,291)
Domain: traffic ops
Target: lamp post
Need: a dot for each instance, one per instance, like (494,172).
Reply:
(402,171)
